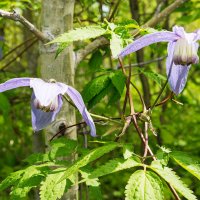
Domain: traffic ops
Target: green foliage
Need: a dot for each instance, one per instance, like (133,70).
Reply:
(96,60)
(187,161)
(51,188)
(169,176)
(82,33)
(91,156)
(95,193)
(113,166)
(116,45)
(144,185)
(104,85)
(127,151)
(158,78)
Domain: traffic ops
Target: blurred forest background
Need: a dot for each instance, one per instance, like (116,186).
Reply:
(177,124)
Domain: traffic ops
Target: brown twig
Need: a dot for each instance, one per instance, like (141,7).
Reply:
(16,17)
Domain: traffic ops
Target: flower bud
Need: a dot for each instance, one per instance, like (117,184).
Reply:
(185,52)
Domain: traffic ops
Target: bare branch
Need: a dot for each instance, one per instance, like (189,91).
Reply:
(82,53)
(160,16)
(16,17)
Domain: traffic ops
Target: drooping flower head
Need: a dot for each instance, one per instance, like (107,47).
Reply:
(182,52)
(46,100)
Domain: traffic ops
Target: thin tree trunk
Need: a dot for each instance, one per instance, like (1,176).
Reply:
(134,7)
(57,18)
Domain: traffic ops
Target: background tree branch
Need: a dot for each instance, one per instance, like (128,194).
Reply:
(101,41)
(16,17)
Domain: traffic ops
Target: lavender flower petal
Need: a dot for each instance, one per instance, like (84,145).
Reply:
(46,92)
(178,73)
(78,101)
(41,119)
(14,83)
(164,36)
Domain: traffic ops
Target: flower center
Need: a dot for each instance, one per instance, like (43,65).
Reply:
(50,108)
(185,53)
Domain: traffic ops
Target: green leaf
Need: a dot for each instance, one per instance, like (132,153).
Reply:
(79,34)
(85,173)
(169,176)
(37,158)
(116,45)
(95,86)
(31,178)
(144,185)
(118,80)
(11,179)
(96,60)
(127,151)
(62,147)
(188,162)
(51,188)
(91,156)
(61,47)
(158,78)
(96,99)
(113,166)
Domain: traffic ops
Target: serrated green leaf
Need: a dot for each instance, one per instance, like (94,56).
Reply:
(188,162)
(37,158)
(31,177)
(116,45)
(127,151)
(113,166)
(61,47)
(158,78)
(11,179)
(118,80)
(97,98)
(96,61)
(85,173)
(91,156)
(144,185)
(170,176)
(82,33)
(95,86)
(51,188)
(62,147)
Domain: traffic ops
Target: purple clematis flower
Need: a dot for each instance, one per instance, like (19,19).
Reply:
(182,52)
(46,100)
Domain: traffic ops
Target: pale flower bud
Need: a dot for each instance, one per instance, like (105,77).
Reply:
(185,52)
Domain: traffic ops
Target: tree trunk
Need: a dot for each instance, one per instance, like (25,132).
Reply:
(57,18)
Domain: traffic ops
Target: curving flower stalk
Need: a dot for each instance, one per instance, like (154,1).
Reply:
(182,52)
(46,100)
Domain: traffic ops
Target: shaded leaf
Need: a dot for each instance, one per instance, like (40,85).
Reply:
(95,87)
(118,80)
